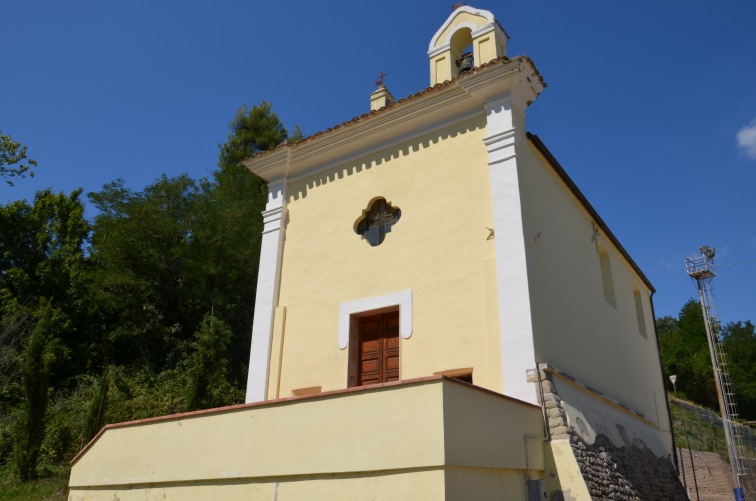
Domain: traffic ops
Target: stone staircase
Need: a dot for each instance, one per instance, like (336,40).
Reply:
(712,473)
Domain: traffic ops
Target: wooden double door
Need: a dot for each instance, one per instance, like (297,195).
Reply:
(379,348)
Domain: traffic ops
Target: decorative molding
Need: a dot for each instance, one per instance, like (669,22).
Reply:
(318,168)
(438,50)
(403,121)
(546,368)
(494,26)
(403,299)
(272,219)
(470,10)
(475,34)
(519,81)
(447,41)
(266,299)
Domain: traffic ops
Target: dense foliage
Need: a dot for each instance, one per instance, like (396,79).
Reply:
(685,353)
(145,310)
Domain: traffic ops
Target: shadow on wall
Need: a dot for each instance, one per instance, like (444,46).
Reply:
(375,160)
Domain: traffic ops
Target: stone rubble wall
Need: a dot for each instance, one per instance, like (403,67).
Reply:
(627,473)
(610,472)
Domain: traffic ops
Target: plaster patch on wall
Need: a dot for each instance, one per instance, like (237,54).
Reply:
(610,446)
(589,418)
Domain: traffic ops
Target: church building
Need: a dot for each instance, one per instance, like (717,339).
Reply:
(440,314)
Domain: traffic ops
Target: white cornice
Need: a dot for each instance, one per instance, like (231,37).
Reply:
(374,148)
(519,78)
(437,108)
(470,10)
(447,41)
(476,33)
(494,26)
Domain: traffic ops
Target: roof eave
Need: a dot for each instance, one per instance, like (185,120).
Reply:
(536,141)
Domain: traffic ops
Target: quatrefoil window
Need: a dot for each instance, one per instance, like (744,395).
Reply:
(376,221)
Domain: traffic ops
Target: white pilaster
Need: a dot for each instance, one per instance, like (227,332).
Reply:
(266,299)
(505,134)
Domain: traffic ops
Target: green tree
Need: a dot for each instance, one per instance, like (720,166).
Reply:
(207,373)
(226,243)
(13,160)
(140,246)
(178,250)
(36,366)
(42,256)
(12,329)
(42,262)
(42,249)
(740,347)
(252,131)
(149,299)
(96,411)
(685,353)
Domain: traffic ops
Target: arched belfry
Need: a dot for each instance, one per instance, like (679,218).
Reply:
(467,32)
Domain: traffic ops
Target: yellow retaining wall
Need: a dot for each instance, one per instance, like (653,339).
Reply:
(433,438)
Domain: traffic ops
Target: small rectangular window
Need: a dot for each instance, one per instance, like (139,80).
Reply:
(606,276)
(639,313)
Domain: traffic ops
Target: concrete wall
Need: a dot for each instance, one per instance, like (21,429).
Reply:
(427,439)
(438,250)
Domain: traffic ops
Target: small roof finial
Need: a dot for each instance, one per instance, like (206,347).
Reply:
(379,80)
(459,4)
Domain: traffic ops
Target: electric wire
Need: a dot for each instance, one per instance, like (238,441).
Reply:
(718,266)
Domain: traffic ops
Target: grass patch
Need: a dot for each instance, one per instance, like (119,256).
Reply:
(699,427)
(54,487)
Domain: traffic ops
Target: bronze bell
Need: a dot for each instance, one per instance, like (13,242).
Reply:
(466,63)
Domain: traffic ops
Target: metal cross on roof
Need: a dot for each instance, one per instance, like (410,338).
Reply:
(379,80)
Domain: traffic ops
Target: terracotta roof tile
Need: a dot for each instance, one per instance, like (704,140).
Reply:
(412,97)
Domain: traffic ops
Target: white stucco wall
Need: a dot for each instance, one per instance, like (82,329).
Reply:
(575,327)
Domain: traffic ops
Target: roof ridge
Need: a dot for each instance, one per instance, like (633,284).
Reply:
(434,88)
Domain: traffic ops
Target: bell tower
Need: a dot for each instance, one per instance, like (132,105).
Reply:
(469,37)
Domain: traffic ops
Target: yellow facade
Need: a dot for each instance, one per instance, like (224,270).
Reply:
(438,249)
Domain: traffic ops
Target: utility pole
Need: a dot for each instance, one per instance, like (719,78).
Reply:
(702,271)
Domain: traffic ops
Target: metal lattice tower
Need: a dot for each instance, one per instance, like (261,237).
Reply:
(702,271)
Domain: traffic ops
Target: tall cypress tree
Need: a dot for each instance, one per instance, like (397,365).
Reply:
(35,372)
(208,384)
(227,237)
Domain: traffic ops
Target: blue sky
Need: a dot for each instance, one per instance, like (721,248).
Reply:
(650,106)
